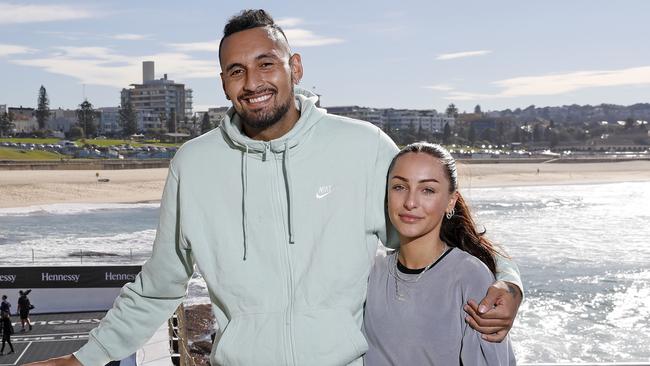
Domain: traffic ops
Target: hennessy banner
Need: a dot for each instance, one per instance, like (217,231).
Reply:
(67,277)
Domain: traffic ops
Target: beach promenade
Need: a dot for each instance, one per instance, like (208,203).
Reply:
(21,188)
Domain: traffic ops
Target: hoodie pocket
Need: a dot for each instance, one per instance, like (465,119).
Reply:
(251,339)
(328,337)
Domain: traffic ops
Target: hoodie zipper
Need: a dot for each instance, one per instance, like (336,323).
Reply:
(291,357)
(289,314)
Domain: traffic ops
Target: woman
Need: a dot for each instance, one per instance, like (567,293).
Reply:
(414,310)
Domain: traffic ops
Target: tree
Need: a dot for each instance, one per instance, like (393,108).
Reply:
(501,132)
(516,134)
(446,134)
(86,117)
(471,135)
(6,124)
(477,109)
(194,122)
(452,111)
(75,132)
(43,109)
(489,135)
(538,132)
(629,123)
(128,120)
(553,138)
(205,123)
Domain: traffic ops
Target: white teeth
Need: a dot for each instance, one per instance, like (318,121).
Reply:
(259,99)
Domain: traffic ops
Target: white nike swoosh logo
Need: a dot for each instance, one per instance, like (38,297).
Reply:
(319,196)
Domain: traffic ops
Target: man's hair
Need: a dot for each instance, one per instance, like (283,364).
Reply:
(249,19)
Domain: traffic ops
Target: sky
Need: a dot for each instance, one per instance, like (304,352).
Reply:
(408,54)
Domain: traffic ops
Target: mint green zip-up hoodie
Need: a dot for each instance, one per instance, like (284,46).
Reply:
(284,233)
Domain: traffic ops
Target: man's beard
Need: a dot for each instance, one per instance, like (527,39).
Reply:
(265,119)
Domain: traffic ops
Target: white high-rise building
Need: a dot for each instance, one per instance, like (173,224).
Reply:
(156,101)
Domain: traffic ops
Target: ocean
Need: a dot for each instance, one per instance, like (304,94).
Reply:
(583,252)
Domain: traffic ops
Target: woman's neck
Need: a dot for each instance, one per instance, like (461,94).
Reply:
(421,252)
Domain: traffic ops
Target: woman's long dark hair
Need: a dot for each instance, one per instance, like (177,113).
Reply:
(459,231)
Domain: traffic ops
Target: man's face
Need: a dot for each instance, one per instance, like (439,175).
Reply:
(258,74)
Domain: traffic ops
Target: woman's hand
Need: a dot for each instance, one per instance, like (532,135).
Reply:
(496,313)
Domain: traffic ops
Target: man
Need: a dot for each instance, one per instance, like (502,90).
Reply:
(281,208)
(24,306)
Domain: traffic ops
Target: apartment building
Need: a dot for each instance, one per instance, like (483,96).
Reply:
(426,120)
(157,100)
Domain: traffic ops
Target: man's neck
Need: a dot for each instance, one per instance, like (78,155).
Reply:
(277,130)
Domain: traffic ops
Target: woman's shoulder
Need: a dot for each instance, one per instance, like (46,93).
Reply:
(470,267)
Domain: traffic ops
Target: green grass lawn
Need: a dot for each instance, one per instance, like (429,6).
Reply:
(15,154)
(81,142)
(112,142)
(30,140)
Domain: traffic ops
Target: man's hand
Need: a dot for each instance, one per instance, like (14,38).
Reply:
(496,313)
(68,360)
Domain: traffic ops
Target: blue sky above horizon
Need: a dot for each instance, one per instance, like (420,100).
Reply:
(408,54)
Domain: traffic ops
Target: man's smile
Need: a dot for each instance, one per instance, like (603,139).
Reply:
(258,100)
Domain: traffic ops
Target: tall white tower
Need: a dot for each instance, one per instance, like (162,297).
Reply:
(147,71)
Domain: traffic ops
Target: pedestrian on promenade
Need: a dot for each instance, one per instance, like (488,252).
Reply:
(24,306)
(5,306)
(282,209)
(7,331)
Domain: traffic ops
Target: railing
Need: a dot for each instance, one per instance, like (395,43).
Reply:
(80,256)
(178,340)
(588,364)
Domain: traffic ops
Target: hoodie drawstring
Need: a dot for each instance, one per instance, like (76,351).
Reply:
(244,180)
(287,178)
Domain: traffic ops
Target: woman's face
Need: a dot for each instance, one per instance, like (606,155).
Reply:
(418,196)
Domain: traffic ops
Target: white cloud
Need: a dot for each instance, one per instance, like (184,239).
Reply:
(439,87)
(208,46)
(288,22)
(103,66)
(131,37)
(554,84)
(451,56)
(297,38)
(460,96)
(564,83)
(11,49)
(305,38)
(18,13)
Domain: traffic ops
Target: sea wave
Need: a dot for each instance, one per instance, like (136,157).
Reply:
(72,208)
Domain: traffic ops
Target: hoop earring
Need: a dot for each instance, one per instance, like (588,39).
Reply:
(450,214)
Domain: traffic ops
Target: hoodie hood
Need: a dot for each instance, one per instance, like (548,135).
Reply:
(231,128)
(310,115)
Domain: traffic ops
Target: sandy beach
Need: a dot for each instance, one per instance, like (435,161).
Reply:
(20,188)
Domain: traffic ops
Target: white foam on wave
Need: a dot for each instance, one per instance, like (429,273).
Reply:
(630,308)
(197,290)
(72,208)
(53,250)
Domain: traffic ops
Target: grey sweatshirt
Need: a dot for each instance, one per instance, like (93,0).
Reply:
(422,322)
